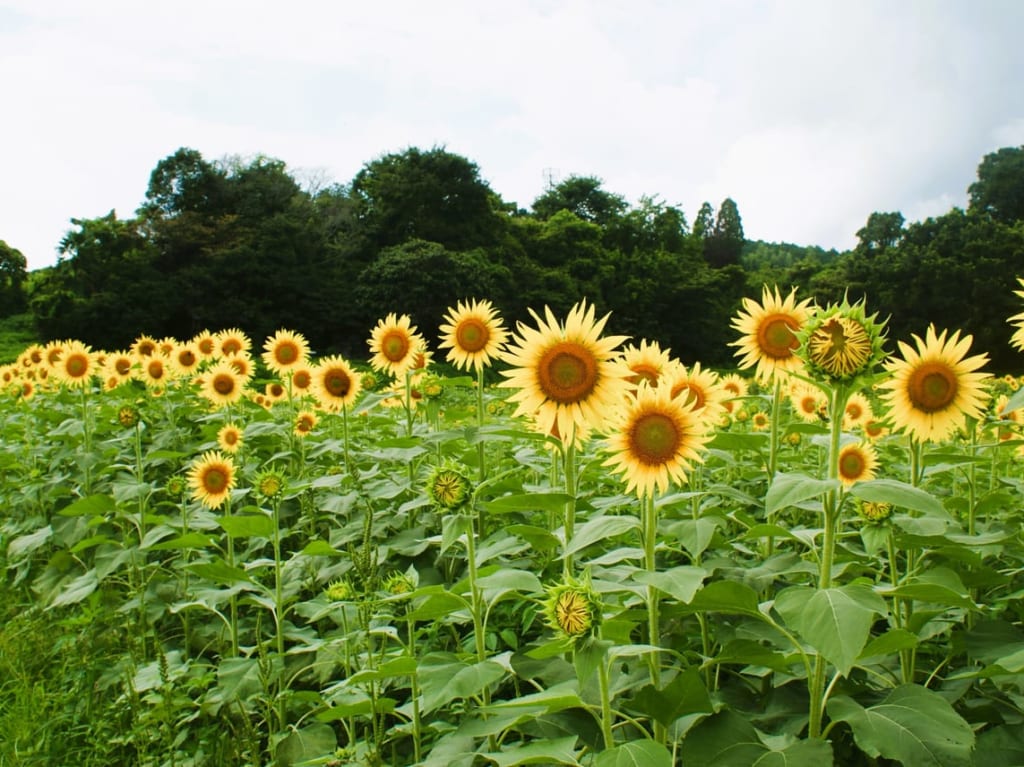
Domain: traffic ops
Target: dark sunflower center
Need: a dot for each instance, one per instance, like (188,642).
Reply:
(123,367)
(146,349)
(206,346)
(230,437)
(851,465)
(76,365)
(286,353)
(156,370)
(305,424)
(854,411)
(215,480)
(223,384)
(654,439)
(231,346)
(472,335)
(775,336)
(301,380)
(394,346)
(276,390)
(337,383)
(932,387)
(567,373)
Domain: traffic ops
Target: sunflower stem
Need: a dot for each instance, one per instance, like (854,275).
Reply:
(649,518)
(482,467)
(233,599)
(606,704)
(569,455)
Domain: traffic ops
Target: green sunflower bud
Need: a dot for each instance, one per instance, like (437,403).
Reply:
(573,608)
(841,343)
(448,487)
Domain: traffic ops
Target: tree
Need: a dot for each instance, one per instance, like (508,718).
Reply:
(704,223)
(725,244)
(13,271)
(881,232)
(999,190)
(429,195)
(583,196)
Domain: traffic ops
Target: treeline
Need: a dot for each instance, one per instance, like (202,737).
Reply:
(240,243)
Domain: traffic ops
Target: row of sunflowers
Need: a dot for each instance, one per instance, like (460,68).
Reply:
(607,556)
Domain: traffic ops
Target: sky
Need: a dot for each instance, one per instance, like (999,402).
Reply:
(809,114)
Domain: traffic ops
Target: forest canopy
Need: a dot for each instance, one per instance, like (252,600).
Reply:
(240,243)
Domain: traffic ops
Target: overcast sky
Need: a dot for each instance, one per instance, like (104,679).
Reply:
(809,114)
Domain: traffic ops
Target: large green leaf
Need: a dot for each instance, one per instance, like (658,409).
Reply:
(727,597)
(600,529)
(445,679)
(940,586)
(248,525)
(557,751)
(551,502)
(836,622)
(310,742)
(681,582)
(791,489)
(899,494)
(912,724)
(686,694)
(730,740)
(635,753)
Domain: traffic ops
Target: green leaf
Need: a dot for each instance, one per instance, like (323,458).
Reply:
(723,740)
(940,586)
(311,742)
(320,548)
(791,489)
(219,572)
(802,753)
(695,535)
(444,678)
(508,580)
(736,441)
(551,502)
(727,597)
(556,698)
(540,538)
(890,642)
(1001,746)
(249,525)
(433,602)
(836,622)
(679,582)
(25,544)
(635,753)
(77,590)
(912,724)
(686,694)
(558,751)
(600,529)
(186,541)
(899,494)
(91,505)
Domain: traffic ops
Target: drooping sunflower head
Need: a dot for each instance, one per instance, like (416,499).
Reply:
(229,438)
(212,478)
(646,362)
(769,332)
(654,438)
(841,343)
(935,387)
(394,343)
(335,384)
(284,350)
(566,375)
(474,334)
(448,487)
(572,608)
(857,463)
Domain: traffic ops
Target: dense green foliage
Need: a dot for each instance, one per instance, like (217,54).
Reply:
(239,242)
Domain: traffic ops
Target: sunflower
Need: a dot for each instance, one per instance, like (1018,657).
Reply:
(857,412)
(27,390)
(857,463)
(760,421)
(701,387)
(935,388)
(52,353)
(335,384)
(144,346)
(222,384)
(393,343)
(473,334)
(229,438)
(232,341)
(448,487)
(841,342)
(646,362)
(76,365)
(653,440)
(875,429)
(302,379)
(1017,320)
(120,364)
(184,359)
(211,478)
(305,422)
(566,374)
(31,357)
(572,608)
(242,364)
(808,402)
(205,344)
(285,350)
(733,386)
(275,391)
(153,371)
(768,329)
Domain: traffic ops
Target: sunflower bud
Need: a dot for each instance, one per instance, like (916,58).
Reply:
(269,485)
(398,584)
(874,512)
(573,608)
(840,343)
(448,488)
(339,591)
(128,416)
(176,487)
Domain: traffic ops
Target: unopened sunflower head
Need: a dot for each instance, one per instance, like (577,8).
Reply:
(269,484)
(572,608)
(400,584)
(874,512)
(841,343)
(448,487)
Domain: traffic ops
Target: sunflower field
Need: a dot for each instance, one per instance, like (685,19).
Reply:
(553,546)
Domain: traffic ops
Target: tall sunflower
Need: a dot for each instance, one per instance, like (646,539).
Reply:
(211,478)
(394,343)
(233,341)
(857,463)
(229,437)
(184,359)
(841,342)
(653,440)
(769,329)
(934,388)
(335,384)
(566,374)
(222,384)
(701,387)
(305,422)
(76,365)
(473,334)
(285,350)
